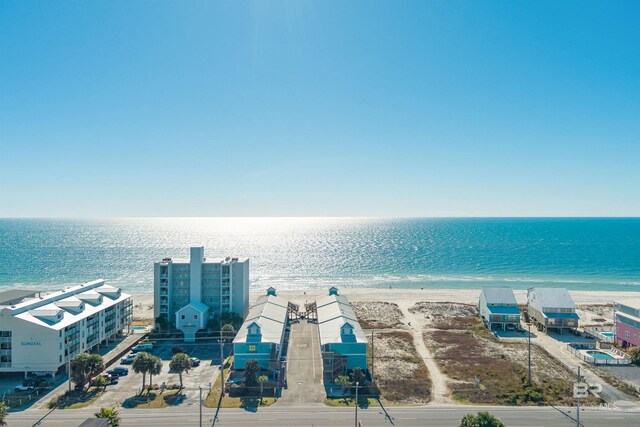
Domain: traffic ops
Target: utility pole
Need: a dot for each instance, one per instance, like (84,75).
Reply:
(357,384)
(373,359)
(200,387)
(222,367)
(529,326)
(69,372)
(578,402)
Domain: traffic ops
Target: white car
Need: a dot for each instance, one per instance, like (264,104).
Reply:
(128,360)
(21,387)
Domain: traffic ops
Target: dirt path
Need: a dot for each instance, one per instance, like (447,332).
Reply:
(439,391)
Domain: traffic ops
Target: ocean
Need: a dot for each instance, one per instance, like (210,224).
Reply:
(296,253)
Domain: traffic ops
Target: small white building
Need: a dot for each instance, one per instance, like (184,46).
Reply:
(187,292)
(41,334)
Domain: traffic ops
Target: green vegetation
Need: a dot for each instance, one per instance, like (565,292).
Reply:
(110,414)
(85,366)
(3,413)
(213,398)
(152,400)
(483,419)
(363,402)
(146,363)
(251,372)
(262,379)
(75,399)
(634,354)
(99,382)
(180,363)
(343,381)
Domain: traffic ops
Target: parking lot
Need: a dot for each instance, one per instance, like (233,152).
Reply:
(208,351)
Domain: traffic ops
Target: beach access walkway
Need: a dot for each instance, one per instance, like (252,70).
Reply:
(304,367)
(440,392)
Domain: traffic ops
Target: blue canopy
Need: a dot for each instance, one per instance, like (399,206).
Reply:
(562,315)
(503,309)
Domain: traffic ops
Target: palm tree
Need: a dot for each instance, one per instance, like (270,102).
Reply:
(343,380)
(99,382)
(155,369)
(143,363)
(3,413)
(180,363)
(483,419)
(84,366)
(228,330)
(262,379)
(110,414)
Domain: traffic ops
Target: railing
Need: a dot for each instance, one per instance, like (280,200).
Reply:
(598,360)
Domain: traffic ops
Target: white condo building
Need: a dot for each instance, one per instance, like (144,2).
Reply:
(42,333)
(188,292)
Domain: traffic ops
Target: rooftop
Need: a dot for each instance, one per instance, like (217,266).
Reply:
(552,297)
(270,313)
(333,312)
(72,304)
(15,295)
(499,295)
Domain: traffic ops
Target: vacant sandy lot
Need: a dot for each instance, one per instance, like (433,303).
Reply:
(378,314)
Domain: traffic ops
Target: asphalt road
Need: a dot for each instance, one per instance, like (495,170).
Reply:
(326,416)
(304,368)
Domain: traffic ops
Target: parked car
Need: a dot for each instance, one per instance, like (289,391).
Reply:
(113,377)
(21,387)
(120,371)
(177,349)
(142,347)
(195,361)
(128,360)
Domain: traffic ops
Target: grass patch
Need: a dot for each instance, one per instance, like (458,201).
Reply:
(75,399)
(155,400)
(348,402)
(213,398)
(400,374)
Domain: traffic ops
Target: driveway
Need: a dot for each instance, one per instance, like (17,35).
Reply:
(304,367)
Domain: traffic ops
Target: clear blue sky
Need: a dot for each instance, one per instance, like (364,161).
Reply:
(287,108)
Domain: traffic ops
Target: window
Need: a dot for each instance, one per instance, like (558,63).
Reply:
(252,348)
(627,335)
(195,317)
(183,317)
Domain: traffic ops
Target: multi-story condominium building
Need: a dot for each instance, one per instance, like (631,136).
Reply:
(627,332)
(188,292)
(41,334)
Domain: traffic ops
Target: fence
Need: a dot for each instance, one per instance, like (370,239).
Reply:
(576,350)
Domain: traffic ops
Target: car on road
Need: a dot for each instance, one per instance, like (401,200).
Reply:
(128,360)
(195,361)
(21,387)
(120,371)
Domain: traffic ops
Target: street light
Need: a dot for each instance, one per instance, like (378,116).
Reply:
(357,384)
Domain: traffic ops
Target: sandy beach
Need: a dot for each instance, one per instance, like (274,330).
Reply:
(404,297)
